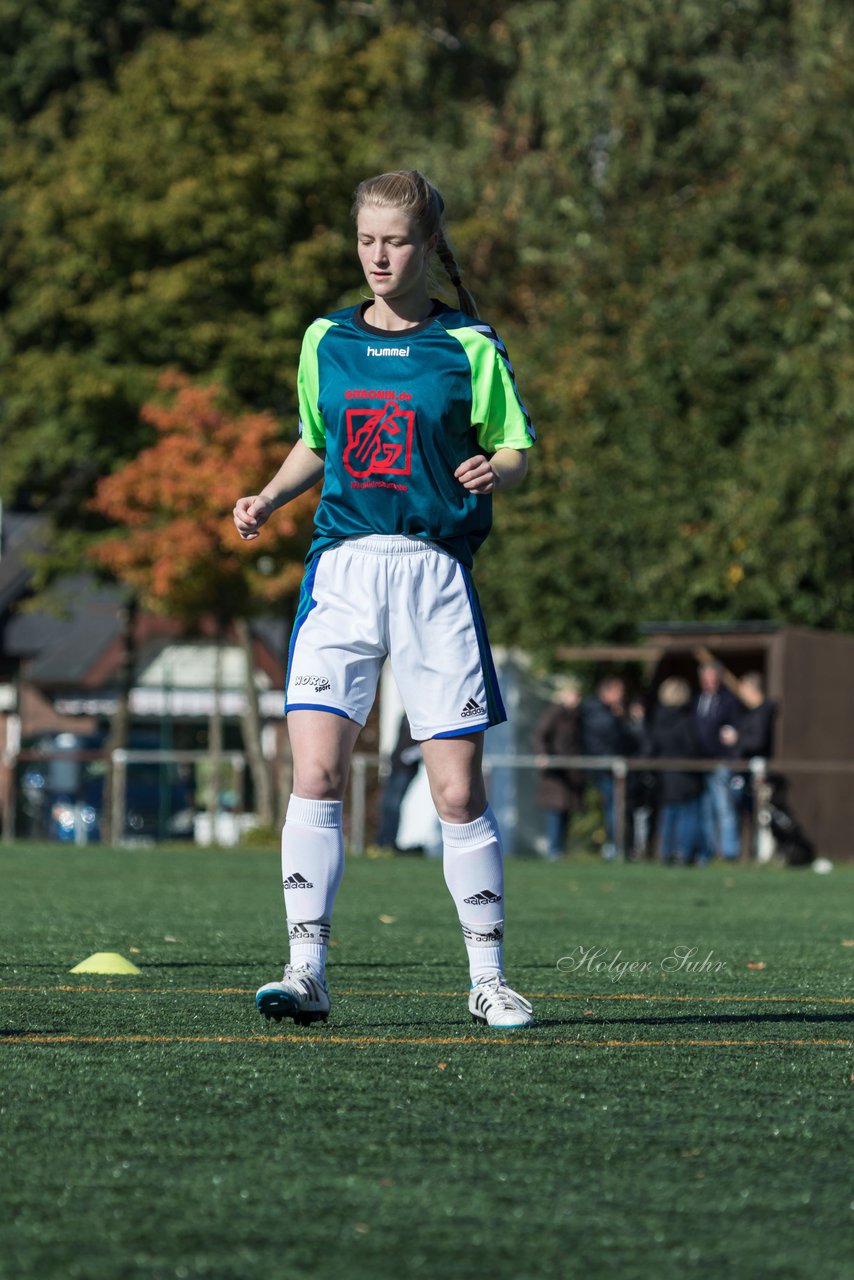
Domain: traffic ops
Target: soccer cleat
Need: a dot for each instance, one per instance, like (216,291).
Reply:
(492,1002)
(299,995)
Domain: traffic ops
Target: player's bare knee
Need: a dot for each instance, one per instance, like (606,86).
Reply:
(459,800)
(318,780)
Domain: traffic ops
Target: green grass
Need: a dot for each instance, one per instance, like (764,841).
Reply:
(653,1125)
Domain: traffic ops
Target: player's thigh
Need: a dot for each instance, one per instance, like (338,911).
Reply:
(338,644)
(322,745)
(439,651)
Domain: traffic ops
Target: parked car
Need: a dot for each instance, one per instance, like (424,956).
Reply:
(62,796)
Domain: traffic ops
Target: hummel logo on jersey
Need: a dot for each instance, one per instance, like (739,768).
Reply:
(296,881)
(388,351)
(483,898)
(471,708)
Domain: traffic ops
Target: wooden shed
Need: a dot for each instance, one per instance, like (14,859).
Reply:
(809,674)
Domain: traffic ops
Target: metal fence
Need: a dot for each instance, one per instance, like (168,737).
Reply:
(71,795)
(759,773)
(620,767)
(80,815)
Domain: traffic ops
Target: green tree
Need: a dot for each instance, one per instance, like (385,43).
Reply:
(688,353)
(196,217)
(52,48)
(651,201)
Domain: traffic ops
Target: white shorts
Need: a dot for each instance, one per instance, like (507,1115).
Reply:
(402,598)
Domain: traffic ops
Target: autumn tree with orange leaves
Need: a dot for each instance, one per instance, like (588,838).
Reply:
(174,540)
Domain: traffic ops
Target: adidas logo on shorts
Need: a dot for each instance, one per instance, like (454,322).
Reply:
(471,708)
(483,899)
(296,881)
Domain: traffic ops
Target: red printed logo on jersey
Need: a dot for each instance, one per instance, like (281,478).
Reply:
(379,438)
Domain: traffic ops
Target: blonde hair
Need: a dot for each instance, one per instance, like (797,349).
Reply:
(674,692)
(409,190)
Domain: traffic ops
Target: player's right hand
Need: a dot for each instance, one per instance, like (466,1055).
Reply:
(250,514)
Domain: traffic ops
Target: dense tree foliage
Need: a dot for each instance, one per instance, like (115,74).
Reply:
(691,352)
(652,202)
(50,47)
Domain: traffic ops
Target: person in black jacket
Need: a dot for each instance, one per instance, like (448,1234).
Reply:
(717,713)
(672,735)
(603,733)
(755,733)
(560,791)
(754,736)
(405,761)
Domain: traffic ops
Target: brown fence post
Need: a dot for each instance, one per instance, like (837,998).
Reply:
(10,795)
(358,803)
(619,770)
(118,794)
(763,837)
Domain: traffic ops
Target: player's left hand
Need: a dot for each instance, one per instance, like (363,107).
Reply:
(477,474)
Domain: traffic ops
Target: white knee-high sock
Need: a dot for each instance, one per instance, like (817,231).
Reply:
(474,873)
(312,867)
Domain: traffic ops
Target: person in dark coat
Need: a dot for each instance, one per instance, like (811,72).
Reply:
(603,733)
(755,734)
(405,762)
(641,785)
(672,735)
(717,713)
(560,791)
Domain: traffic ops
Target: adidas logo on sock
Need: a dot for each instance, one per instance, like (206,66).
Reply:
(487,939)
(316,931)
(483,899)
(296,881)
(471,708)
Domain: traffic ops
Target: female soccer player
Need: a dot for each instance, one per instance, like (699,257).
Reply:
(409,411)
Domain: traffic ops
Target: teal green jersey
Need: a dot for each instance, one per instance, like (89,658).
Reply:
(397,412)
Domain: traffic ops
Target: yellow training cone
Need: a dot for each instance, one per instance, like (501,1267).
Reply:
(105,962)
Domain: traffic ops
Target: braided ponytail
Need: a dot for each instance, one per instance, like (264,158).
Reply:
(446,256)
(409,190)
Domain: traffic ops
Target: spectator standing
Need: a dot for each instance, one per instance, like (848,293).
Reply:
(756,722)
(755,733)
(405,761)
(603,733)
(717,713)
(560,791)
(672,735)
(641,787)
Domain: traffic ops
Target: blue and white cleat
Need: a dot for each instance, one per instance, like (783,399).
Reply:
(495,1004)
(300,995)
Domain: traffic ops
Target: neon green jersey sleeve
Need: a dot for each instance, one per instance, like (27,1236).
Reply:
(311,426)
(498,414)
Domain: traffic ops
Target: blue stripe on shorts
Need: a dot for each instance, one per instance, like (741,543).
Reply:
(307,602)
(316,706)
(494,704)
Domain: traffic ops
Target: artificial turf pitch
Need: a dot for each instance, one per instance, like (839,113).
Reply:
(658,1122)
